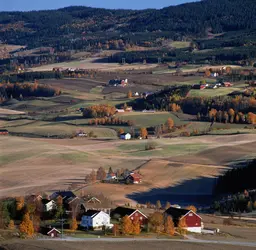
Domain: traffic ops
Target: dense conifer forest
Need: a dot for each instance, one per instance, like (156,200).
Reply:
(80,26)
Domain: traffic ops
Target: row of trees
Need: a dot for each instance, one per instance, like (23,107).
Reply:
(157,223)
(195,105)
(110,121)
(22,90)
(99,111)
(101,174)
(229,116)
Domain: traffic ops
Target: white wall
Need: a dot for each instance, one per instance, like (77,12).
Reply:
(97,221)
(194,229)
(50,206)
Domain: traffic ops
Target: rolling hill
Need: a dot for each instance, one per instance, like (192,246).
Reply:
(80,26)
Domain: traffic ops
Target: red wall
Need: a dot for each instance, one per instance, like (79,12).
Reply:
(143,220)
(193,220)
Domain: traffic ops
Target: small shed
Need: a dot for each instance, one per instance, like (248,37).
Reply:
(50,231)
(53,233)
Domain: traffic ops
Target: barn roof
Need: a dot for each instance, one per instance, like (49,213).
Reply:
(122,211)
(178,213)
(63,194)
(91,213)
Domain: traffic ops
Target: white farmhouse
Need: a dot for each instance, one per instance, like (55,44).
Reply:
(95,219)
(125,136)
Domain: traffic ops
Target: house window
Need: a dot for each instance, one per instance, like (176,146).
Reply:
(190,215)
(131,218)
(136,214)
(140,217)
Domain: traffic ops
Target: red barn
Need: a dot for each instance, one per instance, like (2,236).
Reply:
(4,132)
(120,212)
(228,84)
(192,219)
(133,178)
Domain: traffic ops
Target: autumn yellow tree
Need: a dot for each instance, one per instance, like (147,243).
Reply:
(129,94)
(192,208)
(120,131)
(143,133)
(136,226)
(231,113)
(127,226)
(158,204)
(26,226)
(19,203)
(11,225)
(73,225)
(207,73)
(157,221)
(167,205)
(170,123)
(169,226)
(182,226)
(228,70)
(251,118)
(115,229)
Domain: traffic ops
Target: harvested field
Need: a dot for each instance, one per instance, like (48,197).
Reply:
(4,111)
(181,166)
(95,65)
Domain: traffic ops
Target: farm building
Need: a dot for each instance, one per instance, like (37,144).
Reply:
(227,84)
(51,232)
(99,203)
(120,212)
(199,86)
(133,178)
(95,219)
(68,197)
(193,220)
(118,83)
(125,136)
(4,132)
(111,176)
(48,205)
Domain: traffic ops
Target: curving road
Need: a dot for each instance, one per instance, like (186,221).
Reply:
(189,240)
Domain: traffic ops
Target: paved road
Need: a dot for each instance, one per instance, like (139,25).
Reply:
(190,240)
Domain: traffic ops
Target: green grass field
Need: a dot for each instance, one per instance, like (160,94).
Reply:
(149,119)
(46,129)
(212,92)
(180,45)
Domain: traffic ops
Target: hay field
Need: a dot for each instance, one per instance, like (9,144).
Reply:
(92,64)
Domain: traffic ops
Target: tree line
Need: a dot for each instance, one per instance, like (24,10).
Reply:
(99,111)
(23,90)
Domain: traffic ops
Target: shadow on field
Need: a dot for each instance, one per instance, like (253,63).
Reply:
(198,192)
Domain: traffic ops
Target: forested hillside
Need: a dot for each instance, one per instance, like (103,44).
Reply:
(80,27)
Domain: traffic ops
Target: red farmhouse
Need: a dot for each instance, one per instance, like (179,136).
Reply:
(120,212)
(193,220)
